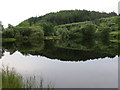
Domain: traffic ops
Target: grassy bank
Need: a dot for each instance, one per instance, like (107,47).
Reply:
(11,79)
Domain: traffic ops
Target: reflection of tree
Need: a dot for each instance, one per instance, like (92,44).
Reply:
(105,41)
(85,50)
(1,53)
(74,50)
(25,47)
(88,43)
(74,55)
(9,46)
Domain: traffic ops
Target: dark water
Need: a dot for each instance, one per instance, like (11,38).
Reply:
(66,64)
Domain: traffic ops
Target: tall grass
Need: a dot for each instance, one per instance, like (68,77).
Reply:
(11,79)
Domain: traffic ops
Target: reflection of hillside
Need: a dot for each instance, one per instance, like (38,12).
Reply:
(75,55)
(94,45)
(65,50)
(81,51)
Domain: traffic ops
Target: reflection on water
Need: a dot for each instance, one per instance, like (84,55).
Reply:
(62,62)
(65,50)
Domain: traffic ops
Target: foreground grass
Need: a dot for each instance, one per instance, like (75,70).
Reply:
(11,79)
(0,80)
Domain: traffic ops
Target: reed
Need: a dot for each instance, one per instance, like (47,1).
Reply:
(11,79)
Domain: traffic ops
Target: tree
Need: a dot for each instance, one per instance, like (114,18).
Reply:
(88,31)
(105,32)
(1,26)
(47,28)
(62,32)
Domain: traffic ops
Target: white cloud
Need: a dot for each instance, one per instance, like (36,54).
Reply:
(15,11)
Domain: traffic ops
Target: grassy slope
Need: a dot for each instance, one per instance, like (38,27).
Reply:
(115,32)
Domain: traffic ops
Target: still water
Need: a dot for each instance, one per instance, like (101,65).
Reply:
(64,64)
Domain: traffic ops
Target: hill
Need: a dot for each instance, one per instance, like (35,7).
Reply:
(67,16)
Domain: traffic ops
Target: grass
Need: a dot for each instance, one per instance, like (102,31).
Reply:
(11,79)
(115,35)
(0,80)
(8,39)
(118,41)
(115,32)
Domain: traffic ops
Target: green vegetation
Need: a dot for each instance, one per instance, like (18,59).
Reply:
(23,33)
(8,39)
(118,41)
(68,24)
(115,32)
(51,37)
(11,79)
(1,29)
(115,35)
(75,25)
(67,16)
(66,50)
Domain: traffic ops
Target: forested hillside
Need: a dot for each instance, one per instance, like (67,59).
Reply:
(67,16)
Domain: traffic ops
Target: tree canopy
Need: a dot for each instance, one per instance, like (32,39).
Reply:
(68,16)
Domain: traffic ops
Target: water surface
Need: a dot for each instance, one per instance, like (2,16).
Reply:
(68,64)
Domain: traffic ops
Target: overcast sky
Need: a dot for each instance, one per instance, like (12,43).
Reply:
(15,11)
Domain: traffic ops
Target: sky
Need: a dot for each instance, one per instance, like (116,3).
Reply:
(15,11)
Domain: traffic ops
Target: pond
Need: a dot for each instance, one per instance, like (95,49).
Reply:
(65,63)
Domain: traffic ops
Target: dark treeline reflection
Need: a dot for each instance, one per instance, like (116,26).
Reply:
(65,50)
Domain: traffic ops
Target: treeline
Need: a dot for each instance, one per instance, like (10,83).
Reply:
(67,16)
(29,32)
(23,33)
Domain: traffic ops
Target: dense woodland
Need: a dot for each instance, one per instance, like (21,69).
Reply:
(69,16)
(67,24)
